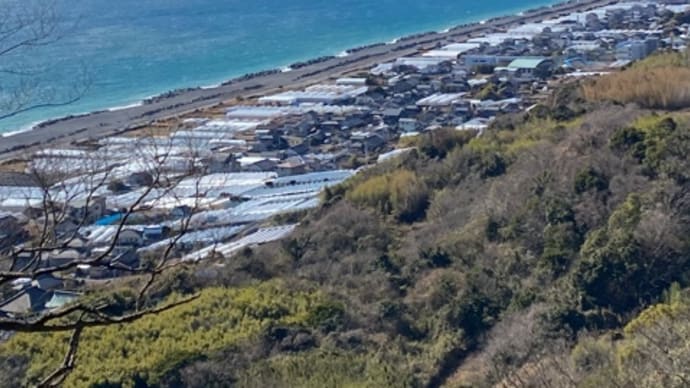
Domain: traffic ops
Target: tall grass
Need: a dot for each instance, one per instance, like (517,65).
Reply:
(664,59)
(665,87)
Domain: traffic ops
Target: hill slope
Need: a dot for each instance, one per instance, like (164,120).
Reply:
(529,256)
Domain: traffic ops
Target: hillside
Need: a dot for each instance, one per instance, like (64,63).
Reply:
(550,251)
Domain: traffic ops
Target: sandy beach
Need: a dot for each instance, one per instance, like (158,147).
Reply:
(100,124)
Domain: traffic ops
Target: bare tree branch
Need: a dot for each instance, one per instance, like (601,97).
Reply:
(92,317)
(58,376)
(25,26)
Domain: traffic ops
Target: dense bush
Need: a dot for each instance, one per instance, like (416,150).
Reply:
(659,143)
(488,257)
(325,369)
(651,351)
(401,194)
(147,349)
(590,179)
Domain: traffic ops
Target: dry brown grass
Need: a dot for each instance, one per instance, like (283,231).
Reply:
(14,165)
(666,87)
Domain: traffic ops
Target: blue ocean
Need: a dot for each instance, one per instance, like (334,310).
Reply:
(133,49)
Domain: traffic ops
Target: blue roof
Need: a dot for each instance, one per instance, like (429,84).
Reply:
(109,220)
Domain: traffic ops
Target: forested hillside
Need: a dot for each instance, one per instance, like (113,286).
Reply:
(550,251)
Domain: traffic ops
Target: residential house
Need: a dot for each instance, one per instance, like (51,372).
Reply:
(47,282)
(633,50)
(222,162)
(141,178)
(28,300)
(155,232)
(408,125)
(531,68)
(87,209)
(300,149)
(130,237)
(34,300)
(292,166)
(367,142)
(68,226)
(259,165)
(179,212)
(60,257)
(472,61)
(479,124)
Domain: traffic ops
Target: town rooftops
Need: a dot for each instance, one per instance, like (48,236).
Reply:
(261,236)
(527,63)
(229,125)
(272,112)
(360,81)
(420,62)
(316,94)
(476,124)
(452,50)
(34,299)
(17,179)
(21,192)
(30,299)
(440,99)
(382,68)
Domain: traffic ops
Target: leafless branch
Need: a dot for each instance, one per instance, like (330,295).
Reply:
(59,189)
(25,26)
(91,317)
(58,376)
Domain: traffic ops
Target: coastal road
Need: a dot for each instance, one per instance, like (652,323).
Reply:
(106,123)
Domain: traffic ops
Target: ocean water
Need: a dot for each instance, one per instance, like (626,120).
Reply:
(133,49)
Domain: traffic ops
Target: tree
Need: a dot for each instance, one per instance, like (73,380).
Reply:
(26,25)
(67,197)
(64,205)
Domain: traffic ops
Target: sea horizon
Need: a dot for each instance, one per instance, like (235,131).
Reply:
(110,91)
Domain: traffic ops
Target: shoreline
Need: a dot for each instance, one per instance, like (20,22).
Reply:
(173,103)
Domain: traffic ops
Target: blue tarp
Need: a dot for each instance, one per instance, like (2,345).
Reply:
(109,220)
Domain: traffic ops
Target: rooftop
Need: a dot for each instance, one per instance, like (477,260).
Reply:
(527,63)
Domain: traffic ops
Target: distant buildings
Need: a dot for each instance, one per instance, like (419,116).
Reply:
(318,94)
(633,50)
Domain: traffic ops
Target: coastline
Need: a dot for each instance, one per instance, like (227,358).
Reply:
(108,122)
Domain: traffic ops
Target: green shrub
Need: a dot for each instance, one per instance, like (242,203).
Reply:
(327,317)
(590,179)
(401,194)
(438,143)
(612,273)
(631,140)
(435,257)
(318,369)
(146,349)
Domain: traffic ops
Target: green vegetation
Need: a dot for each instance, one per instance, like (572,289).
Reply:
(493,92)
(550,251)
(652,351)
(147,349)
(323,369)
(401,194)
